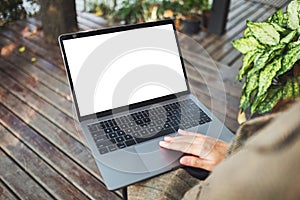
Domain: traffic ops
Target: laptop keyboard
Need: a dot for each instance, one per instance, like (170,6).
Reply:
(138,127)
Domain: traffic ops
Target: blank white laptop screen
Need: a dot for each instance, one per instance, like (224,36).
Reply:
(117,69)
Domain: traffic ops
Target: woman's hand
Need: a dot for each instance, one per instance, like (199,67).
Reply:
(206,152)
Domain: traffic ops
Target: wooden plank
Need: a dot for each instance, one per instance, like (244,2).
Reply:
(50,112)
(5,192)
(38,169)
(232,33)
(22,28)
(224,117)
(58,138)
(17,179)
(221,102)
(237,64)
(234,54)
(221,75)
(208,39)
(36,82)
(71,171)
(54,56)
(40,63)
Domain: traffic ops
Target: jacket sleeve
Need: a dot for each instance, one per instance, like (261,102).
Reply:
(263,162)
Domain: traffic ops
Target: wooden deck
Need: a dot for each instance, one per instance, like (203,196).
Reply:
(43,153)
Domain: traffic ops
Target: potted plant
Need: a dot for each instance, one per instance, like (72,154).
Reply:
(271,54)
(191,14)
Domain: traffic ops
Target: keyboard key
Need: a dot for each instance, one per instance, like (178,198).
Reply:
(130,143)
(103,150)
(144,132)
(128,131)
(115,128)
(121,145)
(130,124)
(146,120)
(128,137)
(92,128)
(139,122)
(112,148)
(108,130)
(151,130)
(112,135)
(112,141)
(120,132)
(101,139)
(136,128)
(166,126)
(137,134)
(119,139)
(143,125)
(124,126)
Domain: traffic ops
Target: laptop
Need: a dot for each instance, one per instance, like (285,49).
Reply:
(130,89)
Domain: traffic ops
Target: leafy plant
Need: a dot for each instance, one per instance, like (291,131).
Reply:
(100,9)
(190,9)
(11,10)
(132,11)
(271,60)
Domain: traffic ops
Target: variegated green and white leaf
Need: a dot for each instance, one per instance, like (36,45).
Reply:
(250,86)
(273,96)
(257,100)
(277,18)
(245,45)
(294,44)
(296,89)
(288,89)
(244,101)
(267,74)
(264,32)
(289,37)
(293,19)
(263,59)
(247,33)
(247,63)
(289,59)
(278,28)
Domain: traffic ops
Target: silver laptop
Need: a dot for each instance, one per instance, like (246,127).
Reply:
(130,89)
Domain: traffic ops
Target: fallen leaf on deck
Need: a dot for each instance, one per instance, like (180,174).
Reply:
(22,49)
(241,117)
(33,59)
(25,32)
(7,50)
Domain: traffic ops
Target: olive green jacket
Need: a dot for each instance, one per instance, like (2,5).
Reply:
(263,166)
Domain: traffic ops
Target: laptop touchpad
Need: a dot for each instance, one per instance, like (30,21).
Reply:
(155,157)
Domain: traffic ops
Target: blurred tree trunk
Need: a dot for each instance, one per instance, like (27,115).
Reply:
(58,16)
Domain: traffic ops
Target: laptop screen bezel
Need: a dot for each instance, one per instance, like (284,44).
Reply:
(69,36)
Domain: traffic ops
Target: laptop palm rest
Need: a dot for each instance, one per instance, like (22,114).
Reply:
(155,157)
(127,160)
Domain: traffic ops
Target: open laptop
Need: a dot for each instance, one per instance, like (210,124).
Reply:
(130,89)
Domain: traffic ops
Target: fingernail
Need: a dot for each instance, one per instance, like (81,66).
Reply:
(162,143)
(184,160)
(167,138)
